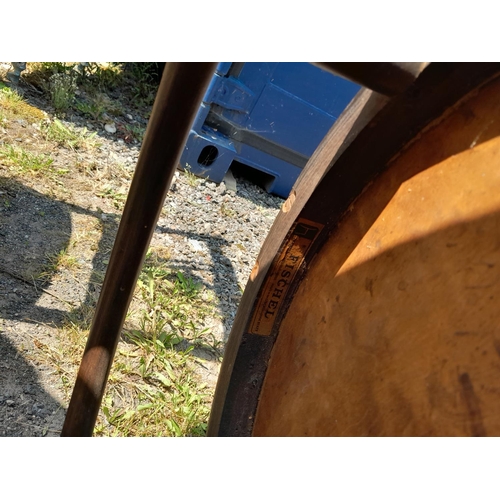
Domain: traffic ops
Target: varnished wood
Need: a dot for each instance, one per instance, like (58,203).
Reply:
(293,357)
(176,104)
(386,78)
(358,113)
(395,331)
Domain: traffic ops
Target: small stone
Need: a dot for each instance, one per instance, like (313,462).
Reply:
(30,389)
(9,402)
(110,127)
(38,409)
(195,244)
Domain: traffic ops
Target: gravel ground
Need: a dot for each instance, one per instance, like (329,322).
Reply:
(211,234)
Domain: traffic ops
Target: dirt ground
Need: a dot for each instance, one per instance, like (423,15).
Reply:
(57,227)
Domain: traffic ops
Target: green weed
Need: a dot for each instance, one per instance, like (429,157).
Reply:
(68,136)
(92,110)
(226,211)
(63,260)
(62,87)
(134,133)
(186,286)
(102,75)
(192,179)
(166,397)
(117,196)
(51,68)
(25,161)
(169,401)
(8,94)
(145,76)
(13,105)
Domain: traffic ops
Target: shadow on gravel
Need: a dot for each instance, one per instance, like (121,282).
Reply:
(225,287)
(25,408)
(34,229)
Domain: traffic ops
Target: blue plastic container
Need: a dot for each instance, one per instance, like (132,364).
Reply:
(267,116)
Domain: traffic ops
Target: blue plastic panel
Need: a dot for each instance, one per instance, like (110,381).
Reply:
(270,116)
(289,121)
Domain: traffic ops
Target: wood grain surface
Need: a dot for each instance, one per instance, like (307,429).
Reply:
(344,329)
(395,331)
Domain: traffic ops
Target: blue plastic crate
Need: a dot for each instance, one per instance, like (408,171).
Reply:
(267,116)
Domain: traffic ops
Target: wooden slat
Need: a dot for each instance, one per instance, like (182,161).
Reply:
(175,107)
(358,113)
(387,78)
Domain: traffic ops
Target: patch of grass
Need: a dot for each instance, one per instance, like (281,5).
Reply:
(63,81)
(187,286)
(25,161)
(55,262)
(40,73)
(153,389)
(171,301)
(167,398)
(90,109)
(62,87)
(8,94)
(145,72)
(92,74)
(133,133)
(182,411)
(97,104)
(107,75)
(118,196)
(64,357)
(13,106)
(145,76)
(68,136)
(192,179)
(47,69)
(63,260)
(226,211)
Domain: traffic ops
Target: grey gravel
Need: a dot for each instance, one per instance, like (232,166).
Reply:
(212,232)
(214,235)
